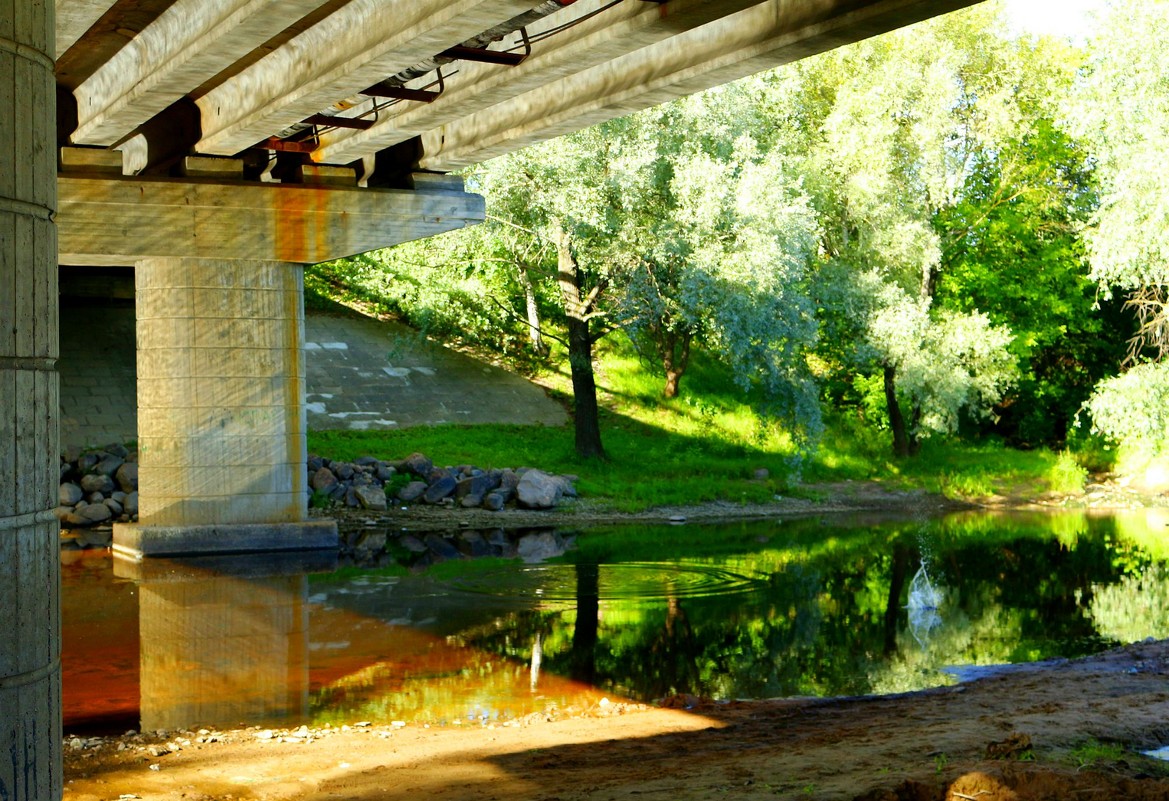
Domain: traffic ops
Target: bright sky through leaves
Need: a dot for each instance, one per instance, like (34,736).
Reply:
(1053,17)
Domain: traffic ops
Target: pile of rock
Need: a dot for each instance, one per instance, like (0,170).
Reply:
(98,486)
(367,482)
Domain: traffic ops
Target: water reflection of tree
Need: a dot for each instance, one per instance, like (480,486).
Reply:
(832,618)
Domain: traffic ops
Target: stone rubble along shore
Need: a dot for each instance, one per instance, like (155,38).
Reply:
(99,487)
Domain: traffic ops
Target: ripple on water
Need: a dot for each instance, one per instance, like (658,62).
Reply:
(636,581)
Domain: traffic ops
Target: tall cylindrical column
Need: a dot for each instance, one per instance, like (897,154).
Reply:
(221,418)
(30,689)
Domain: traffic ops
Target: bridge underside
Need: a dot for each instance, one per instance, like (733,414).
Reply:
(220,145)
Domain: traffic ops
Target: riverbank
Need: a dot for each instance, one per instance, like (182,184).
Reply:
(1031,732)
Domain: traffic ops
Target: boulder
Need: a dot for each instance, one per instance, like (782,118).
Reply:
(109,465)
(127,477)
(69,494)
(97,482)
(471,501)
(412,491)
(441,546)
(131,503)
(371,498)
(323,480)
(94,512)
(412,543)
(493,502)
(418,464)
(477,485)
(383,472)
(315,463)
(440,489)
(343,471)
(538,547)
(539,490)
(116,509)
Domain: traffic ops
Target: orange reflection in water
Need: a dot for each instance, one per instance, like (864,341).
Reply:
(221,651)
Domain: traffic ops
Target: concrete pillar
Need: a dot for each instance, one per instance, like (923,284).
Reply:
(221,419)
(220,650)
(30,688)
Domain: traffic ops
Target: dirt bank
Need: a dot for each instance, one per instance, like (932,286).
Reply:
(1020,734)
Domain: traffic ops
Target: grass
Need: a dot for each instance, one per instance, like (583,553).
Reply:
(705,445)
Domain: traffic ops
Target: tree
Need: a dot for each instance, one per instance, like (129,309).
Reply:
(913,148)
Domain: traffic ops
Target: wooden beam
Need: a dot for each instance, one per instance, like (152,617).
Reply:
(604,34)
(760,38)
(350,50)
(106,221)
(174,54)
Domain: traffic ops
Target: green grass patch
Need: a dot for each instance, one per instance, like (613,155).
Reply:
(706,445)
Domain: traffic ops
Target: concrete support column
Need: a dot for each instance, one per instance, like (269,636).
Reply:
(218,650)
(30,685)
(221,418)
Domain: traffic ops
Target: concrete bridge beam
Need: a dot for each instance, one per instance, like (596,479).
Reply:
(30,682)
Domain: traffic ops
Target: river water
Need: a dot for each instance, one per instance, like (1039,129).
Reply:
(824,606)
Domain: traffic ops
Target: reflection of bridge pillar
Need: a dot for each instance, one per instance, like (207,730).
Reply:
(221,420)
(218,651)
(30,679)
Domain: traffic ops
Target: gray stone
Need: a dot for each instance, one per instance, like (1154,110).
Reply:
(99,538)
(412,543)
(69,494)
(367,461)
(95,512)
(370,542)
(475,544)
(539,490)
(117,449)
(371,498)
(109,465)
(440,546)
(471,501)
(343,471)
(118,496)
(71,453)
(493,502)
(315,463)
(418,464)
(351,499)
(538,547)
(383,472)
(412,491)
(131,503)
(127,477)
(97,482)
(95,497)
(761,474)
(86,461)
(115,508)
(323,480)
(440,489)
(478,485)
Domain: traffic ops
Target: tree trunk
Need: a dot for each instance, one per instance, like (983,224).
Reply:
(586,419)
(675,358)
(896,419)
(539,346)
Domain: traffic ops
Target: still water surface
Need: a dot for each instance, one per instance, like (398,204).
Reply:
(820,606)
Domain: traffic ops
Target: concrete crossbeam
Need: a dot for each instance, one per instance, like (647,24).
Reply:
(108,221)
(614,32)
(765,36)
(174,54)
(355,47)
(74,18)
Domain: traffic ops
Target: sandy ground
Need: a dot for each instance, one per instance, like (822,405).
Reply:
(1019,734)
